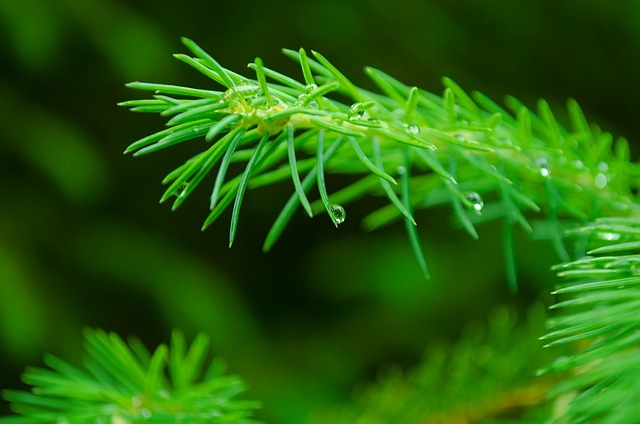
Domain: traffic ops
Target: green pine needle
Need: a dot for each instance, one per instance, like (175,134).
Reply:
(234,138)
(367,162)
(293,163)
(306,70)
(209,61)
(386,187)
(410,225)
(243,187)
(263,81)
(290,207)
(333,210)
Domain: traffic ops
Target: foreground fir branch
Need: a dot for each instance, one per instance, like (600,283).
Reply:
(485,377)
(599,316)
(126,384)
(416,148)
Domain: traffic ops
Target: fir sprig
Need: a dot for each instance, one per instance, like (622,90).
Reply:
(126,384)
(485,377)
(599,316)
(459,149)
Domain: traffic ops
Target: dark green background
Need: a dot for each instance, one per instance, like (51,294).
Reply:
(83,241)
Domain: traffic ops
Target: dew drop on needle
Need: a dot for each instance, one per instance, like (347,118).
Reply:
(338,212)
(544,168)
(357,111)
(476,201)
(413,129)
(309,88)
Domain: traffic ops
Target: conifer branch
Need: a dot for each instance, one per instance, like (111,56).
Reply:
(485,377)
(599,317)
(463,150)
(127,384)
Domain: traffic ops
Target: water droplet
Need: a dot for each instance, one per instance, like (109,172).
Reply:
(246,90)
(609,236)
(475,199)
(601,180)
(401,170)
(603,167)
(180,191)
(357,111)
(145,412)
(136,401)
(578,164)
(544,168)
(574,145)
(338,212)
(460,137)
(303,100)
(309,88)
(413,129)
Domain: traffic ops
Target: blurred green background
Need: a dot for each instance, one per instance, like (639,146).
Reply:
(83,241)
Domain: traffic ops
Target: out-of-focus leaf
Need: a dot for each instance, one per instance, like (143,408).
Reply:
(23,323)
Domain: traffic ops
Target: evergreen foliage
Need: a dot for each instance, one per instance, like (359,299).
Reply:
(498,358)
(418,150)
(600,319)
(124,384)
(460,149)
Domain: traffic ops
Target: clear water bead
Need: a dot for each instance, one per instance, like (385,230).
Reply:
(357,111)
(180,190)
(244,90)
(247,89)
(475,199)
(601,180)
(338,212)
(413,129)
(603,166)
(309,88)
(609,236)
(136,401)
(544,168)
